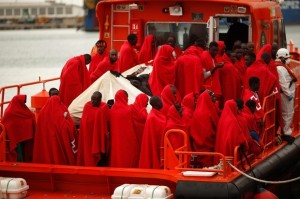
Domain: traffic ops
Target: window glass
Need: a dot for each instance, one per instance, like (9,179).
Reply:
(1,12)
(34,11)
(42,11)
(17,12)
(68,10)
(186,33)
(8,12)
(59,10)
(51,11)
(282,36)
(275,31)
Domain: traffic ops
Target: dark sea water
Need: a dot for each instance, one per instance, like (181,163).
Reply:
(26,55)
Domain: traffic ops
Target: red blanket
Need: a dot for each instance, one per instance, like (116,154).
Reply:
(163,70)
(152,139)
(102,68)
(231,131)
(96,59)
(19,123)
(93,136)
(74,79)
(124,141)
(128,57)
(55,140)
(203,133)
(189,72)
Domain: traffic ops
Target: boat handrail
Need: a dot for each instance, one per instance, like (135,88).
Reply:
(2,143)
(18,87)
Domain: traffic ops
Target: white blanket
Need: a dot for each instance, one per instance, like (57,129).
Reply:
(108,85)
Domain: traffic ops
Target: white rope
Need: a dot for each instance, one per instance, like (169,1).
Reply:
(263,181)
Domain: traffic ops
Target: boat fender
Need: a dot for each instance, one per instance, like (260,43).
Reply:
(264,194)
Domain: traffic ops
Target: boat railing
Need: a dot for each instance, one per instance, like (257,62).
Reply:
(16,90)
(2,143)
(269,120)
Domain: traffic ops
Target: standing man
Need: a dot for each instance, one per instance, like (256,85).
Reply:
(128,55)
(74,78)
(172,42)
(99,56)
(93,137)
(287,81)
(210,66)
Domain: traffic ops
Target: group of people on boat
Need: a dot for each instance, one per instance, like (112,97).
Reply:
(212,94)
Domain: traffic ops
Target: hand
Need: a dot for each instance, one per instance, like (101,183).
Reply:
(219,65)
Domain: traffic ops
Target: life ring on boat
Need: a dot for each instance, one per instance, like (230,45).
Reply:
(264,194)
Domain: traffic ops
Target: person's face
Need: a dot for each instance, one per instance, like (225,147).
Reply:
(113,56)
(239,54)
(101,49)
(213,51)
(233,57)
(244,48)
(171,41)
(248,60)
(250,47)
(267,60)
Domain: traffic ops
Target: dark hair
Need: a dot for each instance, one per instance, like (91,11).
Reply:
(201,43)
(213,44)
(266,57)
(250,103)
(97,94)
(155,102)
(131,37)
(253,81)
(101,43)
(87,56)
(51,92)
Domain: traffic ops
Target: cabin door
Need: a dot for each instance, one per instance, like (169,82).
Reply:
(229,28)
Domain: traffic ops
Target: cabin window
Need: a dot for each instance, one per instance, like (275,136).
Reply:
(186,33)
(282,35)
(275,32)
(232,29)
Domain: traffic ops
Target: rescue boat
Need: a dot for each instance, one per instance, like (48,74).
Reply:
(276,169)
